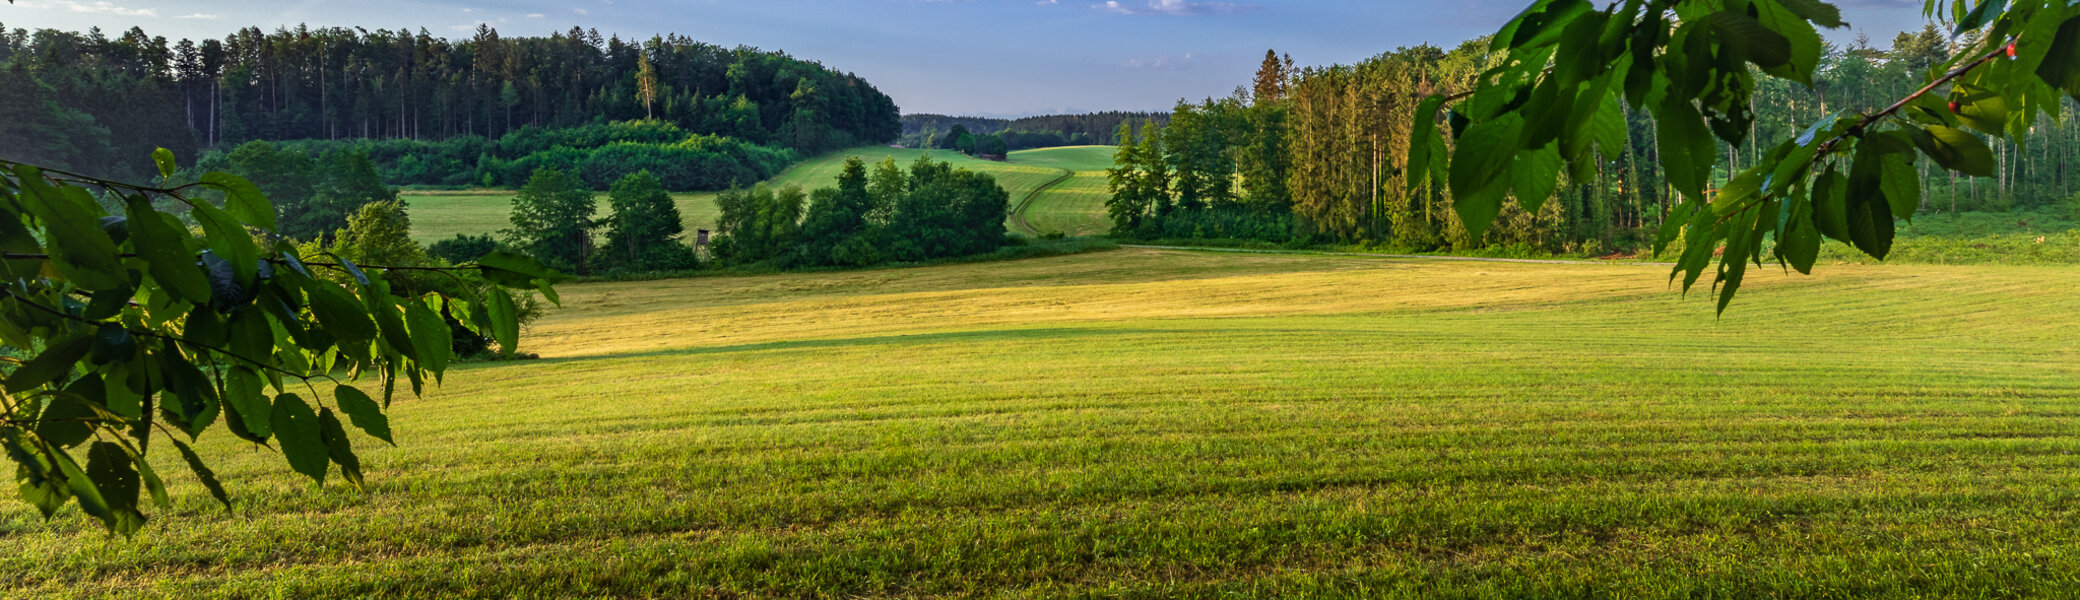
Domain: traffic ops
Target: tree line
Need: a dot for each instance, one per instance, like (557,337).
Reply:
(930,211)
(1048,131)
(1319,154)
(71,89)
(599,154)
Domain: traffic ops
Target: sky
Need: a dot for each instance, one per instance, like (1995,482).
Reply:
(968,57)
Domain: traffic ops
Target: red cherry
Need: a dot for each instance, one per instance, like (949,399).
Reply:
(1953,106)
(2011,50)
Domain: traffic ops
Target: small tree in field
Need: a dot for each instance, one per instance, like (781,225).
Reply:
(643,231)
(552,219)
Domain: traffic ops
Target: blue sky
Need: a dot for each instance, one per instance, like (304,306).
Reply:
(979,57)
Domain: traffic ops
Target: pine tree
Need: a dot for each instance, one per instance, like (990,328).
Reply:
(1127,204)
(1271,79)
(646,82)
(1156,176)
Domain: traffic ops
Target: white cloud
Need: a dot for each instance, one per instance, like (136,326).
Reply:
(199,17)
(581,11)
(535,15)
(100,8)
(1160,63)
(1172,7)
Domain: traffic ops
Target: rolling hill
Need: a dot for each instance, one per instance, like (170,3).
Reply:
(1055,186)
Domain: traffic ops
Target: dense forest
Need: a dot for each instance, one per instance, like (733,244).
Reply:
(66,91)
(1316,154)
(1048,131)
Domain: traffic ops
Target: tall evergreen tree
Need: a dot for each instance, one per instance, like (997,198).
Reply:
(1270,85)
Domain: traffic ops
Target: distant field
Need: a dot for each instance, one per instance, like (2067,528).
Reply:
(441,215)
(1073,207)
(1145,424)
(438,216)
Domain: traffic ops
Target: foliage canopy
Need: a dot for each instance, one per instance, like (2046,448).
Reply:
(132,330)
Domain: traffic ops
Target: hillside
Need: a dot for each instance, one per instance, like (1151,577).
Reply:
(1070,207)
(1145,424)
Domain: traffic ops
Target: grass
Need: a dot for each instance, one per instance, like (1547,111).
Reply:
(1141,424)
(440,215)
(2039,237)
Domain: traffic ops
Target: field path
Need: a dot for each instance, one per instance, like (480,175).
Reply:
(1018,212)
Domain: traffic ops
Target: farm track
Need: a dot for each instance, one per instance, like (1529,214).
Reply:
(1018,212)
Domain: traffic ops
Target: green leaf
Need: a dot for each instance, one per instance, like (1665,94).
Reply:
(391,322)
(1607,127)
(203,473)
(63,423)
(1803,39)
(1957,150)
(1733,266)
(1478,165)
(230,242)
(1901,184)
(1422,141)
(2061,66)
(242,199)
(165,252)
(1687,150)
(302,437)
(1820,13)
(338,448)
(112,473)
(363,411)
(431,335)
(1980,16)
(505,321)
(1981,109)
(1741,192)
(42,485)
(89,496)
(343,316)
(1800,244)
(82,251)
(352,269)
(1830,205)
(245,395)
(163,158)
(1869,213)
(56,360)
(1540,24)
(1534,175)
(1756,42)
(514,270)
(1700,238)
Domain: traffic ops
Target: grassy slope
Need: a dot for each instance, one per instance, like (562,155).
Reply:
(1144,424)
(441,215)
(1075,206)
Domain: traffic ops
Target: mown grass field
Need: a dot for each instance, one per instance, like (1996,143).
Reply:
(1143,424)
(442,215)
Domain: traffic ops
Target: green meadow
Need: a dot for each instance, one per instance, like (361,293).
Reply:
(1054,182)
(1144,423)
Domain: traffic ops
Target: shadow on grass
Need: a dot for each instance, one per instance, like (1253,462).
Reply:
(1064,334)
